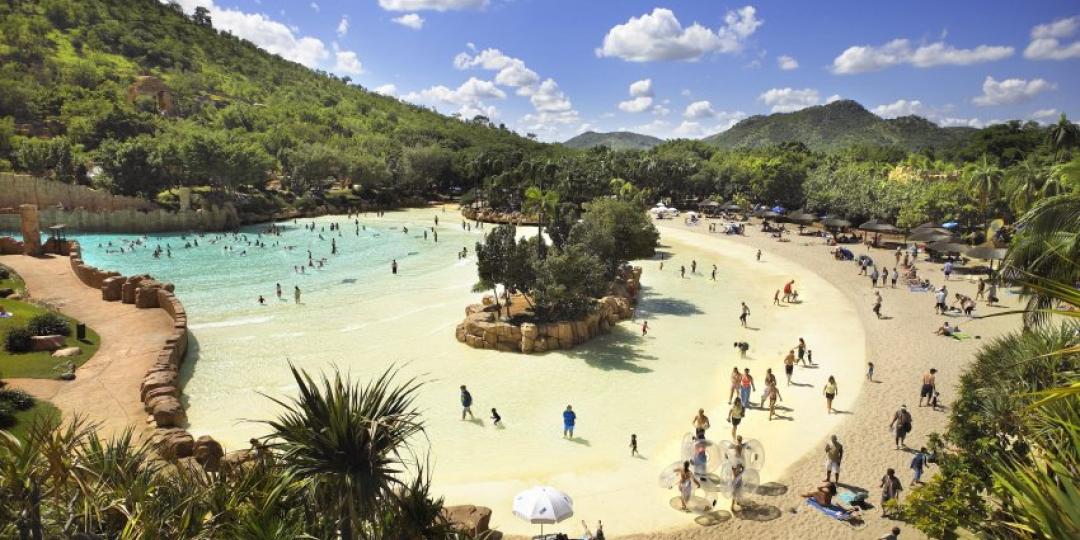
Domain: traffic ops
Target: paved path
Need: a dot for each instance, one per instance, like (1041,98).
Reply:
(106,388)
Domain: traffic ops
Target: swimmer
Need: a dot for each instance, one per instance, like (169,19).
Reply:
(262,301)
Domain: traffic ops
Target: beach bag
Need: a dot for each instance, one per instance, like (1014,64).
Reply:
(852,498)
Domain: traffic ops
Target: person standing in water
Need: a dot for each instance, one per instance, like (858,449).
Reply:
(279,291)
(466,403)
(393,267)
(296,294)
(569,418)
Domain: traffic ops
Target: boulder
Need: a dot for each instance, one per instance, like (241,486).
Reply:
(66,352)
(112,289)
(157,379)
(46,343)
(469,520)
(208,453)
(173,443)
(460,332)
(529,330)
(168,412)
(164,391)
(146,297)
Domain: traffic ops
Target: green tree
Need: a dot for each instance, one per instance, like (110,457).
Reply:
(501,259)
(1064,135)
(984,179)
(616,232)
(542,203)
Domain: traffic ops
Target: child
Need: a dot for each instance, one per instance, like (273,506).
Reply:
(644,328)
(810,357)
(633,444)
(870,371)
(934,400)
(495,418)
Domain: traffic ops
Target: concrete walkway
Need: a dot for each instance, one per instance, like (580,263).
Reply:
(106,388)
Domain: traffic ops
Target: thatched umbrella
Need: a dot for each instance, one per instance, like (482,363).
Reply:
(801,218)
(986,253)
(927,225)
(878,227)
(835,223)
(946,246)
(709,204)
(731,207)
(929,235)
(771,215)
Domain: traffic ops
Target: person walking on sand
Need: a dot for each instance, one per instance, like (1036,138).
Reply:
(919,462)
(895,276)
(735,416)
(801,347)
(991,294)
(939,301)
(644,328)
(981,292)
(633,445)
(700,423)
(296,294)
(870,371)
(686,484)
(894,534)
(901,425)
(776,298)
(693,266)
(789,365)
(874,277)
(569,418)
(466,403)
(682,271)
(735,377)
(877,304)
(890,490)
(714,272)
(947,269)
(926,392)
(746,385)
(834,454)
(496,418)
(759,255)
(830,394)
(772,393)
(744,315)
(789,291)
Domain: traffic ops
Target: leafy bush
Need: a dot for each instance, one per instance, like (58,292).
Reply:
(47,324)
(4,273)
(7,415)
(18,399)
(17,340)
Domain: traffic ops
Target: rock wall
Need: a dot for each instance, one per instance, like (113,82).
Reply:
(160,386)
(488,215)
(16,189)
(482,328)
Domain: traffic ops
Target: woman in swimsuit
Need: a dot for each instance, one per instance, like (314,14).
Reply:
(735,377)
(830,393)
(686,484)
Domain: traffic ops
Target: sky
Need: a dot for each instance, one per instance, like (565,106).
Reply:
(682,68)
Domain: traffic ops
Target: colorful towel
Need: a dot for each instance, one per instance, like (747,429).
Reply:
(831,511)
(960,336)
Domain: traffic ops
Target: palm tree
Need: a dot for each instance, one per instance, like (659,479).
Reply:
(349,444)
(1028,179)
(543,203)
(984,179)
(1064,134)
(1047,246)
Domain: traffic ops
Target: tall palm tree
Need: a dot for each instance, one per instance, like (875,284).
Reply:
(1064,134)
(349,444)
(1048,246)
(1027,180)
(984,179)
(543,203)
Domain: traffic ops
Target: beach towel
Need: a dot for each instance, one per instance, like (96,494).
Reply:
(831,511)
(6,315)
(960,336)
(852,498)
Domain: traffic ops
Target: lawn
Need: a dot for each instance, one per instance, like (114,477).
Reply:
(37,365)
(25,419)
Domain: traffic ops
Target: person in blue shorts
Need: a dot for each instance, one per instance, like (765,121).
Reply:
(568,420)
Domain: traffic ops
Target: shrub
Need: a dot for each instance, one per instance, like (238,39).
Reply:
(47,324)
(18,399)
(7,415)
(17,340)
(4,273)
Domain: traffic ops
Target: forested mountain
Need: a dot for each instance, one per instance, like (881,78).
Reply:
(234,115)
(615,140)
(837,125)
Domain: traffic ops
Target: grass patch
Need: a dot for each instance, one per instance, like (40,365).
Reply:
(38,365)
(24,420)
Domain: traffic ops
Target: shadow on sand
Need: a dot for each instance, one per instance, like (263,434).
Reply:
(650,303)
(620,350)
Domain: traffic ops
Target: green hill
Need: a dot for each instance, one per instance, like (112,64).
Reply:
(838,125)
(237,115)
(616,140)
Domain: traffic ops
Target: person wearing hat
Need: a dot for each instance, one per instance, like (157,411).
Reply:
(901,425)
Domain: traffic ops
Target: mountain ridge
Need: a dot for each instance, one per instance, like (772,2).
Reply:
(616,140)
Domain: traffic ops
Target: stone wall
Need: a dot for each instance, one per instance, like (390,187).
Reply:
(482,328)
(488,215)
(89,210)
(160,386)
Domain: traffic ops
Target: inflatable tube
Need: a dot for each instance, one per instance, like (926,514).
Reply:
(669,476)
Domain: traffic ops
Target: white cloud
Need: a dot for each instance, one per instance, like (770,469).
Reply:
(583,128)
(787,63)
(386,90)
(832,98)
(315,7)
(549,98)
(343,26)
(727,119)
(960,122)
(660,36)
(1009,91)
(689,129)
(1045,40)
(864,58)
(641,97)
(275,37)
(661,110)
(900,107)
(346,62)
(699,109)
(431,5)
(512,72)
(410,20)
(468,98)
(1045,115)
(686,92)
(790,99)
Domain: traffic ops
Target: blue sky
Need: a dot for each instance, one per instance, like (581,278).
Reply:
(682,68)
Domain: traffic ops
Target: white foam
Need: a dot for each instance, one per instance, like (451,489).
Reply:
(231,322)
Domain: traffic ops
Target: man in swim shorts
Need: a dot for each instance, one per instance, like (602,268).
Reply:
(466,403)
(928,386)
(789,365)
(834,454)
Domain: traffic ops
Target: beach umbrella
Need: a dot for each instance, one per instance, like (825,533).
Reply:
(929,235)
(835,223)
(986,253)
(772,215)
(950,225)
(543,505)
(927,225)
(878,227)
(731,207)
(946,246)
(801,218)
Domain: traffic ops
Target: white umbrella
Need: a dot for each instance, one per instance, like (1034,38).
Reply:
(543,505)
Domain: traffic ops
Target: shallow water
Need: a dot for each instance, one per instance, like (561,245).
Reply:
(358,316)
